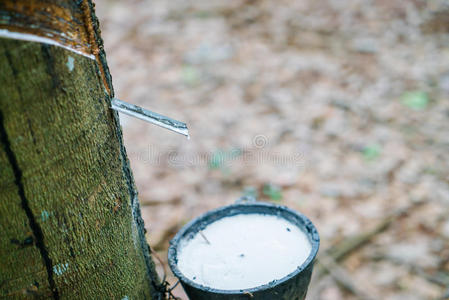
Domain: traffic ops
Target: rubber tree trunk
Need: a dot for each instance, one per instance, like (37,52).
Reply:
(70,224)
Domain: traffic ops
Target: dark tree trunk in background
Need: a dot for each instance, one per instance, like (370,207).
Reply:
(70,224)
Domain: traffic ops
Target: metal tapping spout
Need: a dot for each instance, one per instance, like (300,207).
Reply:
(149,116)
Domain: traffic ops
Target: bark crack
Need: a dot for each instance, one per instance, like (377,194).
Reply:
(36,229)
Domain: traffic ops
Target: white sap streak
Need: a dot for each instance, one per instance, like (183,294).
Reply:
(35,38)
(245,251)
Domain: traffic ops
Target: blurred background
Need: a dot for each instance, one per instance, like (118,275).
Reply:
(337,109)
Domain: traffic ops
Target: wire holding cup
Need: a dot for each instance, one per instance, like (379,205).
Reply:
(246,199)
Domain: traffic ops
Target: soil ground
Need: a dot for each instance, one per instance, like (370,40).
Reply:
(337,109)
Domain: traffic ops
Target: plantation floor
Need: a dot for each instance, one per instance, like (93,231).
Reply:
(338,109)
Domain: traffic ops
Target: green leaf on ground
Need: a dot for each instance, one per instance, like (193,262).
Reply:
(217,160)
(272,191)
(190,75)
(371,152)
(220,157)
(416,100)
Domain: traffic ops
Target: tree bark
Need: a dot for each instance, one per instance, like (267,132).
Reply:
(69,214)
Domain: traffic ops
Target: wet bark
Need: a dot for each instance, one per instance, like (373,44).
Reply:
(70,224)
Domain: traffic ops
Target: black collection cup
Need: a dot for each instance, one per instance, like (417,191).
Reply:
(291,287)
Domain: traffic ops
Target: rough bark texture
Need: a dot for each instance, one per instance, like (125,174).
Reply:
(69,216)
